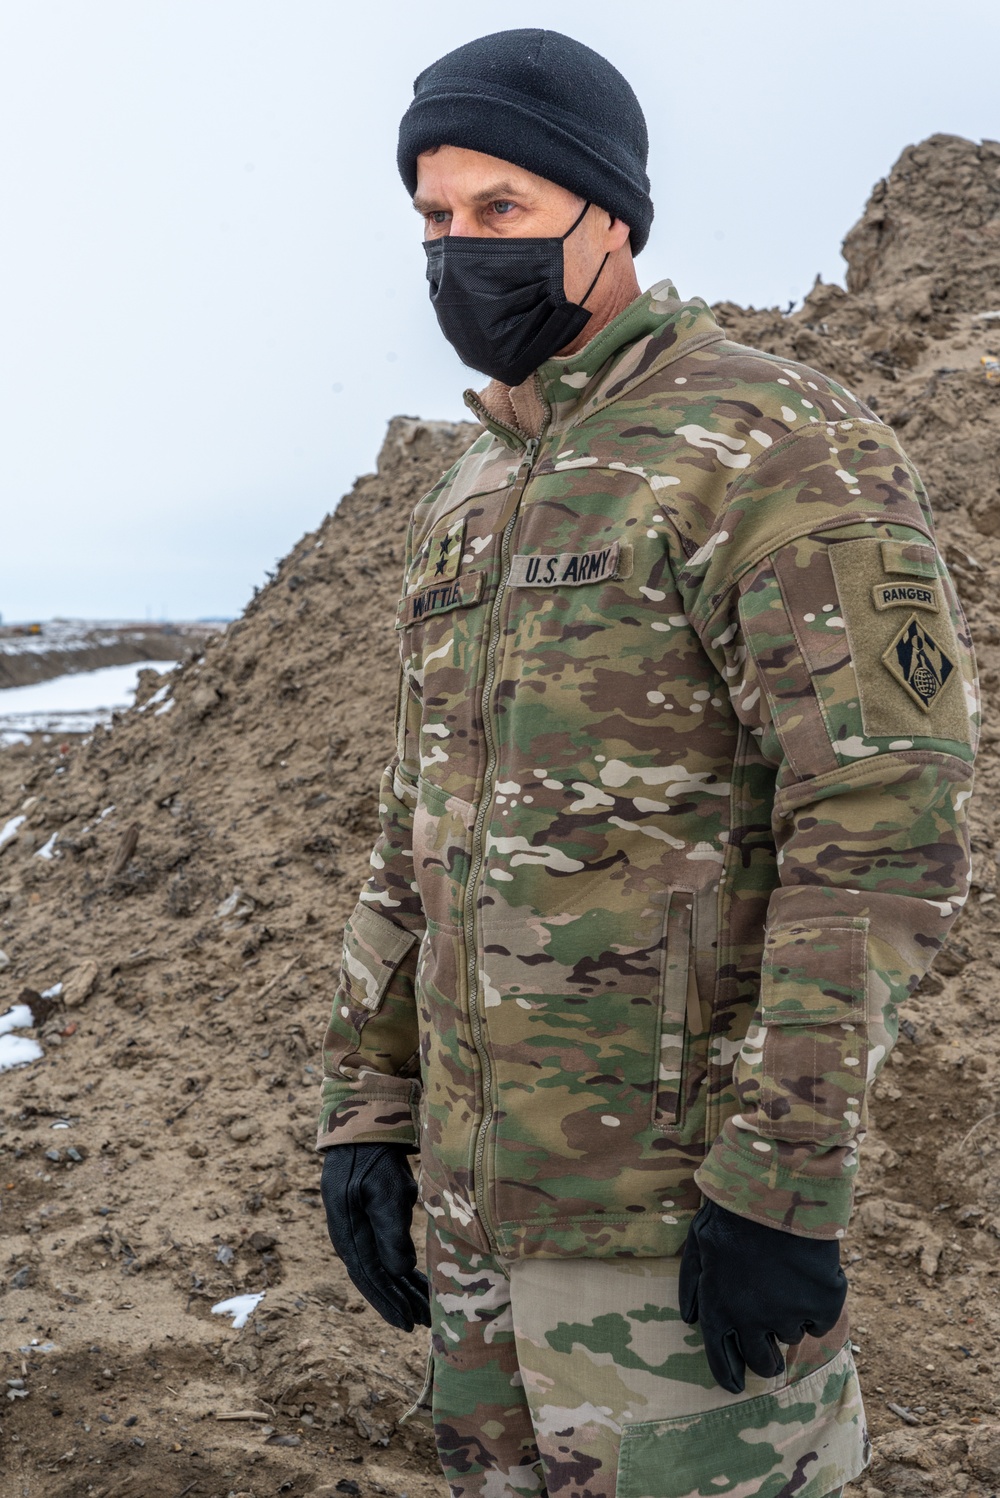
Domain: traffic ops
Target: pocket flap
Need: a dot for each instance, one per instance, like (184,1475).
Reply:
(815,972)
(373,949)
(808,1439)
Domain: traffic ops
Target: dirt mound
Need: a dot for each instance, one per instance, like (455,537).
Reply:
(206,852)
(933,222)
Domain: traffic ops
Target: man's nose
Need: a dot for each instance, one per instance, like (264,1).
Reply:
(463,224)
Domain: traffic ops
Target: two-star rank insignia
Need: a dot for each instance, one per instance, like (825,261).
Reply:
(439,558)
(918,663)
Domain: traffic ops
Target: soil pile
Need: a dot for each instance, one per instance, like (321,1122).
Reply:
(200,859)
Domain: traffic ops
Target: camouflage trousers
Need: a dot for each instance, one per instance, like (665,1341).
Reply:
(578,1378)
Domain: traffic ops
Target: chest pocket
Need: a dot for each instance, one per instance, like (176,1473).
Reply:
(903,622)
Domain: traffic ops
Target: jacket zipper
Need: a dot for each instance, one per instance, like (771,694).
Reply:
(476,864)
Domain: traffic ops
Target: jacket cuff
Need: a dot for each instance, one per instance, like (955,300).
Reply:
(375,1110)
(799,1189)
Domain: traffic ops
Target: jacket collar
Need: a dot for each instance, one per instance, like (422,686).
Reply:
(654,330)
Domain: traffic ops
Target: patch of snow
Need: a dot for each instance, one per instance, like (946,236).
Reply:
(18,1018)
(72,703)
(49,850)
(240,1307)
(53,992)
(17,1050)
(158,695)
(11,829)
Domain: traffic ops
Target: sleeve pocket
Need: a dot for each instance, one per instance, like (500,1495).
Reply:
(803,1067)
(373,949)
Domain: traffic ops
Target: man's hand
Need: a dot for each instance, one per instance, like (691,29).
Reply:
(751,1287)
(369,1192)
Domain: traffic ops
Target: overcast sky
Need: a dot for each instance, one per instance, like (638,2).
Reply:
(212,293)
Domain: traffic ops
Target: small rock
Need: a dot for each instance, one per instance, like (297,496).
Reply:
(905,1447)
(22,1278)
(196,1150)
(80,985)
(984,1452)
(202,700)
(4,959)
(243,1129)
(224,1255)
(283,1441)
(348,1485)
(53,1155)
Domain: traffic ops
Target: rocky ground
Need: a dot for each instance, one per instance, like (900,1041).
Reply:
(208,848)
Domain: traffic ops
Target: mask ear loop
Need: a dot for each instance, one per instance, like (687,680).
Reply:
(563,237)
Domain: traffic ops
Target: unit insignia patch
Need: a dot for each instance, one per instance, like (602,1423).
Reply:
(918,663)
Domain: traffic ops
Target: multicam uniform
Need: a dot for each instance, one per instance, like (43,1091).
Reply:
(676,820)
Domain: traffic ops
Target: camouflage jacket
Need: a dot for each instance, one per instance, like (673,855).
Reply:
(676,819)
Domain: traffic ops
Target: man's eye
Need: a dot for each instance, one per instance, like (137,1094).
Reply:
(439,216)
(502,206)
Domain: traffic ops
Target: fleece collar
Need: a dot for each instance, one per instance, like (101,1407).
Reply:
(654,330)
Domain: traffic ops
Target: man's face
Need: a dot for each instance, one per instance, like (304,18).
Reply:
(475,196)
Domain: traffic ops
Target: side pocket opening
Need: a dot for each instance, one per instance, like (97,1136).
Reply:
(679,1011)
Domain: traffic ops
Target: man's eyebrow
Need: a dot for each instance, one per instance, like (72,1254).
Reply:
(497,191)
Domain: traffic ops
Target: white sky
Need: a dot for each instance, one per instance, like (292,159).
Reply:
(212,294)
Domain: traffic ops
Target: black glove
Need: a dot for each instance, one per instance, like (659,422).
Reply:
(751,1287)
(369,1192)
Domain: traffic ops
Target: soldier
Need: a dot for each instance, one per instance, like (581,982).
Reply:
(676,820)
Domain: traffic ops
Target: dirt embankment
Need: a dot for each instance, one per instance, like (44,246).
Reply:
(208,849)
(60,646)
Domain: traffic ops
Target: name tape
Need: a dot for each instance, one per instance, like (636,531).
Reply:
(571,569)
(459,594)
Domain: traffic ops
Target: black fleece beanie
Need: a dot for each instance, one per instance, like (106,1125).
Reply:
(546,103)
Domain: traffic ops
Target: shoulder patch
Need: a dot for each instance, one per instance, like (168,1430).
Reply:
(918,663)
(921,657)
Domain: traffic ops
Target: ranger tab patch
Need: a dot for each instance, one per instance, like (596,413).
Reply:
(918,663)
(571,569)
(906,595)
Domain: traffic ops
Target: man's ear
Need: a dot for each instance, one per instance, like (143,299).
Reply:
(618,234)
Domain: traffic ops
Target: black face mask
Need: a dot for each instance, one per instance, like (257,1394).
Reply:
(500,302)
